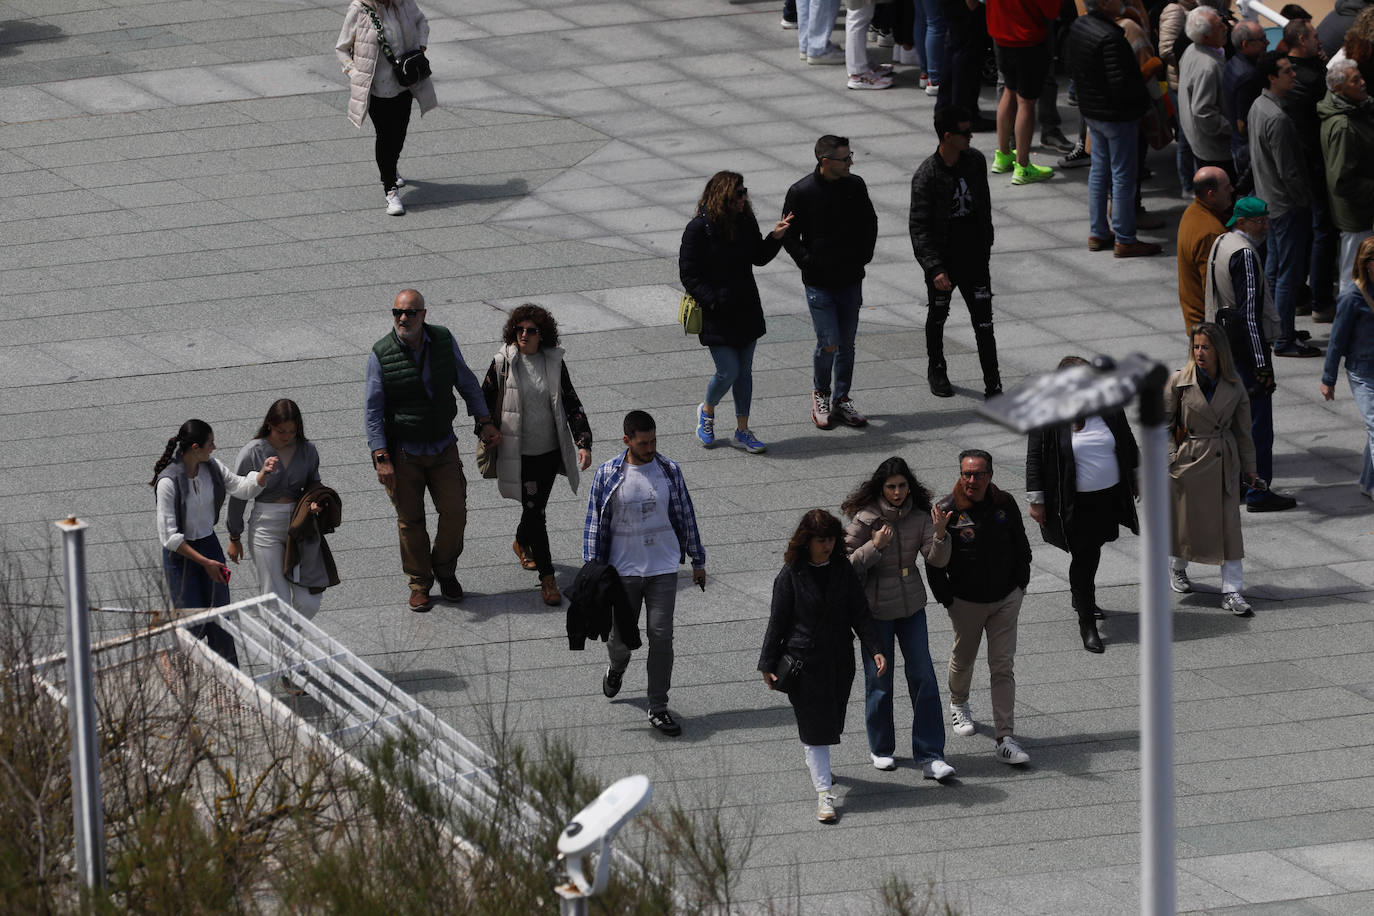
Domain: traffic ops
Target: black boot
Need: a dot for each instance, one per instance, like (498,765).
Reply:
(939,381)
(1087,628)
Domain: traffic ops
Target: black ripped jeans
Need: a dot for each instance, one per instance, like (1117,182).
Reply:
(390,118)
(537,474)
(971,278)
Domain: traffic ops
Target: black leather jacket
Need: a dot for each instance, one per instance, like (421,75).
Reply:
(932,190)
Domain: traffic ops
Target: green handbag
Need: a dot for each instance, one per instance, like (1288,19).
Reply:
(689,315)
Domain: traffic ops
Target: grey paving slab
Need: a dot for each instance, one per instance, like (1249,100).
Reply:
(200,232)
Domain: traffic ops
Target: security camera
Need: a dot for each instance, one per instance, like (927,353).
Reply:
(595,826)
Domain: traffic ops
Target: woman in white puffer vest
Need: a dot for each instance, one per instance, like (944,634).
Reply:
(374,91)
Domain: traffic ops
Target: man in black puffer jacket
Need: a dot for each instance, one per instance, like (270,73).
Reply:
(951,234)
(1112,99)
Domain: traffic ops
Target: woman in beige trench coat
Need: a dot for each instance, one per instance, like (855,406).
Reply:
(373,91)
(1208,413)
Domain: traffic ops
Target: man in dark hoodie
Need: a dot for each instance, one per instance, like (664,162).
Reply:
(982,587)
(951,235)
(1337,22)
(834,229)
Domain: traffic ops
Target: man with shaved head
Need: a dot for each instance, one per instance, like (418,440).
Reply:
(412,373)
(1199,227)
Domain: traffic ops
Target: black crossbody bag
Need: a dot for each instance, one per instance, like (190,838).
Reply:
(412,66)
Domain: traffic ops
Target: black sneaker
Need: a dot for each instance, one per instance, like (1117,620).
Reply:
(664,722)
(1076,158)
(610,684)
(1271,502)
(990,393)
(939,384)
(449,588)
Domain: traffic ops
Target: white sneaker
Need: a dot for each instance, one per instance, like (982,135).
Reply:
(1008,751)
(1178,581)
(789,24)
(932,89)
(400,182)
(937,770)
(1233,602)
(831,55)
(883,763)
(960,719)
(825,807)
(869,81)
(394,207)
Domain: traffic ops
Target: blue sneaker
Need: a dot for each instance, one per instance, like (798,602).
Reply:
(706,427)
(745,439)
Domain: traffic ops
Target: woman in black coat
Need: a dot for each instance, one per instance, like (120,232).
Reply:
(1082,483)
(720,248)
(818,608)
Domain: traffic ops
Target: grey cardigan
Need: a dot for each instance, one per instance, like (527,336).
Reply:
(283,483)
(1199,104)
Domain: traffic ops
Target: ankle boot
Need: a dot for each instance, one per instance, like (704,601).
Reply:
(1087,628)
(939,381)
(548,590)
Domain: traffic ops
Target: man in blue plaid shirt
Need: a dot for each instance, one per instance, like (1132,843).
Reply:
(640,520)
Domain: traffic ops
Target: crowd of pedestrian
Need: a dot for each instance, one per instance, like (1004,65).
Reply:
(1274,150)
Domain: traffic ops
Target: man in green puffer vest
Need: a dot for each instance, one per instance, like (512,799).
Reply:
(411,376)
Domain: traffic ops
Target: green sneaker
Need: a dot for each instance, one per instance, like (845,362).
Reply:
(1002,162)
(1030,173)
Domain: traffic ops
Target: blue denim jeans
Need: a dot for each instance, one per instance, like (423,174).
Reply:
(1362,389)
(928,30)
(815,22)
(734,369)
(835,317)
(1285,267)
(928,718)
(1325,242)
(1115,172)
(190,587)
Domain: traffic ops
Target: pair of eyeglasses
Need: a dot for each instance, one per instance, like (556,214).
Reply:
(974,475)
(409,313)
(525,329)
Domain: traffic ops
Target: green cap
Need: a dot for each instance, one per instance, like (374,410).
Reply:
(1246,208)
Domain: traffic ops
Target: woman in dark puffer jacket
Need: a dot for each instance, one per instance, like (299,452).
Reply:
(721,246)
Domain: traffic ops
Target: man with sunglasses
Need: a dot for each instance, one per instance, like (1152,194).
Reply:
(950,223)
(412,373)
(833,231)
(982,587)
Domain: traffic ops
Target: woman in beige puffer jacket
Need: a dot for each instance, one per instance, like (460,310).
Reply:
(373,89)
(893,526)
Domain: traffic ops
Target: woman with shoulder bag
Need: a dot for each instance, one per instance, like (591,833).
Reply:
(720,248)
(370,28)
(1207,412)
(892,526)
(1081,478)
(818,608)
(544,431)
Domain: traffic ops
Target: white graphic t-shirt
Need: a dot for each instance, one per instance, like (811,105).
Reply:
(643,542)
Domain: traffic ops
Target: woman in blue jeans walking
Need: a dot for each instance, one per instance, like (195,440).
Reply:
(721,246)
(1352,337)
(892,526)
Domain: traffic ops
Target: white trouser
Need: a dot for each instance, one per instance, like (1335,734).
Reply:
(857,19)
(818,762)
(1232,573)
(267,527)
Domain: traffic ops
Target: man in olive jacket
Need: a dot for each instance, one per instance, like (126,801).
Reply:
(950,223)
(411,376)
(1347,116)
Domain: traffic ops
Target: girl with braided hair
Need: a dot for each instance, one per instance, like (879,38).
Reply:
(190,488)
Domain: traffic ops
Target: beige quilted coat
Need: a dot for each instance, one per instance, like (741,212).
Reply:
(360,52)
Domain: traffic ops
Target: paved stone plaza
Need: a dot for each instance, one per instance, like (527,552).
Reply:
(191,227)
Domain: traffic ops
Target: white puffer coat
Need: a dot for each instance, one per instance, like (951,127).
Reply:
(360,51)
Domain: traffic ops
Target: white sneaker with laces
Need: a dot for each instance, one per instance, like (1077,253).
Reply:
(869,81)
(883,763)
(1233,602)
(961,719)
(825,807)
(1178,581)
(820,410)
(394,207)
(1008,751)
(831,55)
(937,770)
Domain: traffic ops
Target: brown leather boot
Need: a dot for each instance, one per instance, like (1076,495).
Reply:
(548,589)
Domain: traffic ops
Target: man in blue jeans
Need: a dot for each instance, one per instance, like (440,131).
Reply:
(640,520)
(834,229)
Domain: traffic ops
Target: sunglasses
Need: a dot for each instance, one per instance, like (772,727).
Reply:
(974,475)
(409,313)
(849,158)
(524,330)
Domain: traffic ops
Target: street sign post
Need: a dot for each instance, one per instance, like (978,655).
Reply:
(1073,394)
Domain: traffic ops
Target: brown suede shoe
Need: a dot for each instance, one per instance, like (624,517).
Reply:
(1097,244)
(419,601)
(526,561)
(1135,249)
(548,590)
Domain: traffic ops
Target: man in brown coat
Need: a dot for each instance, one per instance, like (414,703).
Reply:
(1197,230)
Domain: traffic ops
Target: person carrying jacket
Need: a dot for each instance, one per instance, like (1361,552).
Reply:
(833,232)
(950,223)
(982,587)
